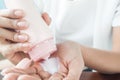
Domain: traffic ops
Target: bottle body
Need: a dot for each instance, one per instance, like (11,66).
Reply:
(40,35)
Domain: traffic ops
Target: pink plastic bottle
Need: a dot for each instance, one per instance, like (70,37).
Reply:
(40,34)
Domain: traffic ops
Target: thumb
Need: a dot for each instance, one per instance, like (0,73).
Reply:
(24,64)
(46,18)
(61,73)
(75,69)
(23,67)
(9,51)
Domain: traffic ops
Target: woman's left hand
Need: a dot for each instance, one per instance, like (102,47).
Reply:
(71,62)
(70,66)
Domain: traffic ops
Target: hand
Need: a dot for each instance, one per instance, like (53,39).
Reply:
(70,61)
(25,70)
(13,44)
(70,64)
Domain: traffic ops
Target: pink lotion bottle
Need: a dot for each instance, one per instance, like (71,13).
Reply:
(40,35)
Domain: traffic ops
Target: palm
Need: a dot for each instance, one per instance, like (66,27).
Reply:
(70,65)
(71,62)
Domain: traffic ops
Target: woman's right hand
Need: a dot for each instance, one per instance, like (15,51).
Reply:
(13,44)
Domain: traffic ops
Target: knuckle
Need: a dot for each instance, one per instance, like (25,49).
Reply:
(16,47)
(1,32)
(11,23)
(14,38)
(7,12)
(6,52)
(20,24)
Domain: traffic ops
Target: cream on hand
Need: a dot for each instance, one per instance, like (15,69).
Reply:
(40,35)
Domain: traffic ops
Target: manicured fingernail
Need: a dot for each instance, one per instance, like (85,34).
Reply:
(29,46)
(22,24)
(26,52)
(18,13)
(25,45)
(21,37)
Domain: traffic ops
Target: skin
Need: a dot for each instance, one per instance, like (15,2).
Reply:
(71,66)
(70,53)
(14,45)
(15,48)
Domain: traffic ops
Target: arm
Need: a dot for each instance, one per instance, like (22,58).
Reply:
(104,61)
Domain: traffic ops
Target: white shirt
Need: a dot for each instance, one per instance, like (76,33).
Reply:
(72,21)
(88,22)
(75,21)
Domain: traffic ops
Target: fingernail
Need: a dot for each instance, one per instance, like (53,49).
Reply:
(25,45)
(26,52)
(18,13)
(22,24)
(22,38)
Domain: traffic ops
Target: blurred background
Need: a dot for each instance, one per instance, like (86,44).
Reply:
(2,4)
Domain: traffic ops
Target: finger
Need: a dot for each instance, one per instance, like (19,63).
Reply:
(24,63)
(36,76)
(13,36)
(44,75)
(25,47)
(46,17)
(27,77)
(11,76)
(75,69)
(9,51)
(16,13)
(13,23)
(41,72)
(18,70)
(23,67)
(61,73)
(56,76)
(12,70)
